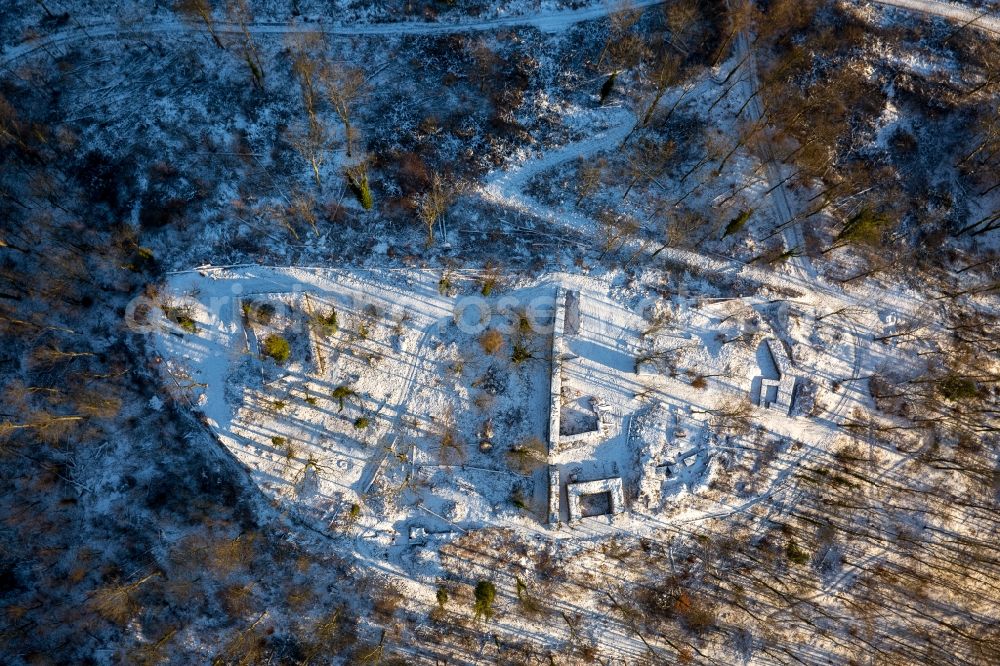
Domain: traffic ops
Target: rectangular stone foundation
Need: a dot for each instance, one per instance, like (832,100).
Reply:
(613,486)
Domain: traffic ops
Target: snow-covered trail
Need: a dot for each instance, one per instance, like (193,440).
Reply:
(551,22)
(800,264)
(986,21)
(505,186)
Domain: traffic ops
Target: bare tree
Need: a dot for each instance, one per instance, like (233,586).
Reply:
(747,134)
(305,68)
(588,177)
(682,18)
(50,355)
(434,203)
(299,207)
(616,230)
(343,85)
(784,17)
(307,65)
(45,8)
(981,163)
(623,48)
(200,10)
(739,15)
(647,160)
(663,75)
(240,13)
(311,140)
(18,132)
(485,65)
(991,73)
(9,126)
(733,416)
(48,426)
(117,602)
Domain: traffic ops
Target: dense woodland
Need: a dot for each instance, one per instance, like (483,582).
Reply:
(126,530)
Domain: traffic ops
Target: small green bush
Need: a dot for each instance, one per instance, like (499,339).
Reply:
(327,324)
(262,314)
(485,593)
(181,317)
(955,388)
(529,604)
(524,326)
(286,447)
(796,554)
(520,353)
(142,259)
(737,222)
(357,179)
(277,348)
(444,285)
(361,422)
(489,280)
(442,597)
(865,228)
(341,393)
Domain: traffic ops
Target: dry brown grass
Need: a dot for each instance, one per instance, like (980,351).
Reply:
(452,448)
(236,600)
(527,456)
(491,341)
(117,603)
(386,600)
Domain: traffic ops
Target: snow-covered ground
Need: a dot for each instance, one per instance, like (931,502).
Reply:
(677,380)
(980,19)
(412,420)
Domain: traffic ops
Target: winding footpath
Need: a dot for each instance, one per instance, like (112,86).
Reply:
(988,21)
(800,264)
(549,22)
(83,29)
(506,186)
